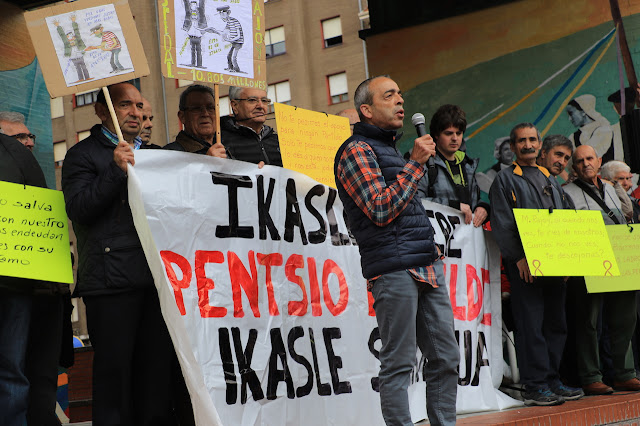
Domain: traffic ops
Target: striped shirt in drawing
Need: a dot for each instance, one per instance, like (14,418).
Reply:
(235,30)
(110,41)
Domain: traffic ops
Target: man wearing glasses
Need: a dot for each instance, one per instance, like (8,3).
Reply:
(197,113)
(245,135)
(12,124)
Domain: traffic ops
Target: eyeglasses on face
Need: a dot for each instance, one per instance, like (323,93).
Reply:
(24,136)
(253,100)
(209,109)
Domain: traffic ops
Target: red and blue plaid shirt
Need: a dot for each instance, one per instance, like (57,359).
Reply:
(359,174)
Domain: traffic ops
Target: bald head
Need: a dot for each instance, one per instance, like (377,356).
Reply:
(586,163)
(147,121)
(127,103)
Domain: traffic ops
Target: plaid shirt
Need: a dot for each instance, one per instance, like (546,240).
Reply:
(359,174)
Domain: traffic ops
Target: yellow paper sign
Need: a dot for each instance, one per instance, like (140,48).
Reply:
(34,234)
(566,243)
(626,247)
(309,141)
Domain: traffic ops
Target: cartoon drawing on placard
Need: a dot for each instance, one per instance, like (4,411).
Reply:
(109,43)
(195,19)
(231,33)
(74,48)
(213,38)
(81,58)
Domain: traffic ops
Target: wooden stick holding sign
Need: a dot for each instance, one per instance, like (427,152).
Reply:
(112,111)
(216,101)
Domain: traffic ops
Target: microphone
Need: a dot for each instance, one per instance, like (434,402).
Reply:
(418,120)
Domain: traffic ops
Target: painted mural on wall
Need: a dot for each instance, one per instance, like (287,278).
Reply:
(22,87)
(562,87)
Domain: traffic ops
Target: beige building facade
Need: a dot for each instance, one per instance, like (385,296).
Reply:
(315,60)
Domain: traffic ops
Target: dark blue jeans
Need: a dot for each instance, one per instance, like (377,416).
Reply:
(15,315)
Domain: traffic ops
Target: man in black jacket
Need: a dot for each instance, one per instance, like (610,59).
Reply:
(197,113)
(537,302)
(133,350)
(30,320)
(245,136)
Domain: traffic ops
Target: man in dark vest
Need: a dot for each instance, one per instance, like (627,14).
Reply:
(399,258)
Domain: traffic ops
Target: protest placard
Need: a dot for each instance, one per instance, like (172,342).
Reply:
(34,234)
(86,45)
(626,248)
(214,41)
(566,243)
(309,141)
(265,301)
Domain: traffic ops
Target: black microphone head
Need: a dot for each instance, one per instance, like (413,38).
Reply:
(417,119)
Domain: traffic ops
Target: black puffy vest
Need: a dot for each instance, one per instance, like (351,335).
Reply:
(407,242)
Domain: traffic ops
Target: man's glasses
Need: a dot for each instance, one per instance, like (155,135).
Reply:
(254,100)
(209,109)
(24,136)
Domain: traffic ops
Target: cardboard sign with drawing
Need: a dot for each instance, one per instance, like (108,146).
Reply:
(86,45)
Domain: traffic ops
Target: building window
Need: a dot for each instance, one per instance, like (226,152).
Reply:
(332,32)
(59,151)
(280,92)
(225,106)
(57,108)
(338,90)
(83,135)
(86,98)
(274,42)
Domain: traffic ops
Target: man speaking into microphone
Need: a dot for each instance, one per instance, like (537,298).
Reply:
(399,258)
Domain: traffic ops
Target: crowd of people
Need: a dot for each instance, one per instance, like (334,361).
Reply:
(136,376)
(381,194)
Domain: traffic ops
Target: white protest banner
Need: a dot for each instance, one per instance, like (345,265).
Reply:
(261,288)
